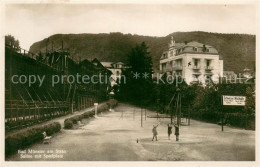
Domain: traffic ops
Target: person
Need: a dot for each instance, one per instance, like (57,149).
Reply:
(155,133)
(176,132)
(169,130)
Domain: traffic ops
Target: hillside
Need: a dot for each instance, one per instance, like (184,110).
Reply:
(237,50)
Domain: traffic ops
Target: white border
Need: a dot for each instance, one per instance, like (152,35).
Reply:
(125,163)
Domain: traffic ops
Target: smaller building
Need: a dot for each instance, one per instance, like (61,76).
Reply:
(116,68)
(230,75)
(247,73)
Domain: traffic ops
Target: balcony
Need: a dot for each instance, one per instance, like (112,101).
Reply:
(163,70)
(176,68)
(195,67)
(208,68)
(168,67)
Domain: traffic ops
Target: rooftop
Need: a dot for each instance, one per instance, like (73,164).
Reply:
(192,47)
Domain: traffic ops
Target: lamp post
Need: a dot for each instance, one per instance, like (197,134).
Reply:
(158,107)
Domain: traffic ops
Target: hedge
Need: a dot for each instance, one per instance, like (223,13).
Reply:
(234,119)
(32,135)
(68,123)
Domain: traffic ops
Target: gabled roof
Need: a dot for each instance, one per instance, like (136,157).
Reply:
(119,62)
(111,64)
(97,63)
(107,64)
(192,43)
(197,44)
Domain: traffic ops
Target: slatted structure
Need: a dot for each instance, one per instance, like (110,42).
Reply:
(26,104)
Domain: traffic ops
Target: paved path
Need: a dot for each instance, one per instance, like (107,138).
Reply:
(113,136)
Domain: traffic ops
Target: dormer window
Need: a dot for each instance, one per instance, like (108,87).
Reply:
(165,55)
(195,49)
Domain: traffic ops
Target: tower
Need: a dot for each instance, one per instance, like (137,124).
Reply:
(172,43)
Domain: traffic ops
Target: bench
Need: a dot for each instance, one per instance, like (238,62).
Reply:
(46,139)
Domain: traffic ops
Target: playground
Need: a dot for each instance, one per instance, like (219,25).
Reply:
(121,135)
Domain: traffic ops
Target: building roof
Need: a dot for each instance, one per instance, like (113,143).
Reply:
(228,72)
(188,47)
(111,64)
(107,64)
(197,44)
(119,63)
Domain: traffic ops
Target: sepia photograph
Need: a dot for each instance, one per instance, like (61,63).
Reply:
(129,81)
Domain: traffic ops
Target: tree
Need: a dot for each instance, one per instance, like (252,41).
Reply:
(138,86)
(11,41)
(39,57)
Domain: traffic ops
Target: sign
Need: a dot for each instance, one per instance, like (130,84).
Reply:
(95,104)
(234,100)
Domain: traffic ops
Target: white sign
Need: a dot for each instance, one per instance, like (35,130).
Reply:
(234,100)
(95,104)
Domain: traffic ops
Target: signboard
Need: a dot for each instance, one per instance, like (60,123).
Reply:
(234,100)
(95,104)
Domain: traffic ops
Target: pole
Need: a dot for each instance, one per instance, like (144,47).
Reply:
(141,117)
(222,115)
(222,121)
(158,107)
(52,46)
(145,113)
(177,106)
(180,107)
(189,117)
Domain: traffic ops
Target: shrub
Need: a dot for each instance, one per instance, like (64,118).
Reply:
(68,124)
(32,135)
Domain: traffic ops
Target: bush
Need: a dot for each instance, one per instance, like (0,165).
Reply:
(234,119)
(68,124)
(241,120)
(32,135)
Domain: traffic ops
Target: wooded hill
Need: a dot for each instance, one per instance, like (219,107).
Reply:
(237,50)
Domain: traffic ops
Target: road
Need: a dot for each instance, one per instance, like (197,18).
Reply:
(113,137)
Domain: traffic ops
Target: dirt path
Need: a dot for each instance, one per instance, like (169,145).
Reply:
(113,136)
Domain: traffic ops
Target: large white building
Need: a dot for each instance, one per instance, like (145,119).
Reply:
(193,61)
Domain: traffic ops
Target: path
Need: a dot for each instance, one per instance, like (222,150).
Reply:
(113,136)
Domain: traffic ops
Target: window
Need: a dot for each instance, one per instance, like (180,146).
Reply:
(207,50)
(196,62)
(207,63)
(165,55)
(195,49)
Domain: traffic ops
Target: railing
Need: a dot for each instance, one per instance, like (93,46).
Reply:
(22,51)
(196,67)
(177,67)
(163,70)
(208,67)
(21,110)
(169,68)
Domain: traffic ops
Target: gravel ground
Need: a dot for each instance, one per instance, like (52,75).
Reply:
(113,137)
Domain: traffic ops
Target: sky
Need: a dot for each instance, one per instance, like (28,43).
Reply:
(30,23)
